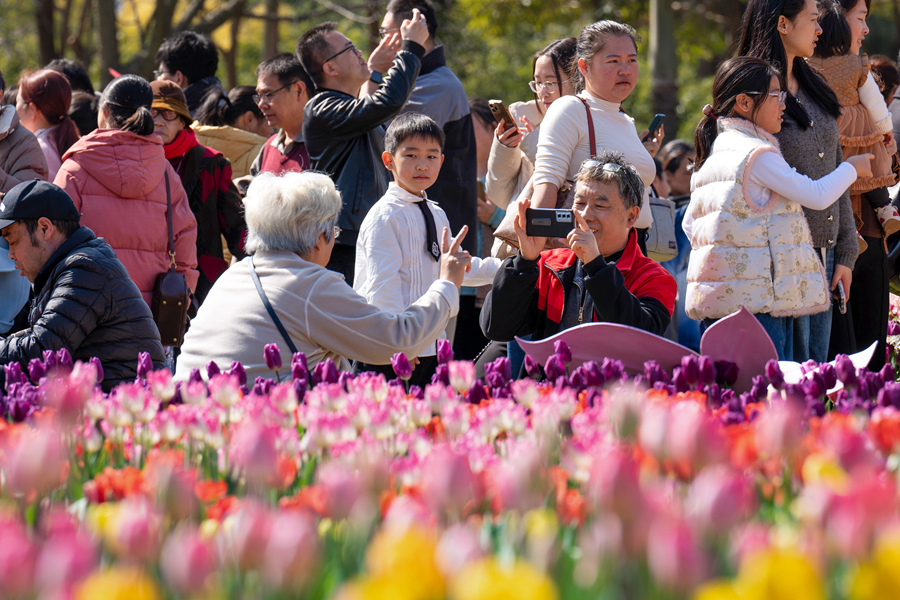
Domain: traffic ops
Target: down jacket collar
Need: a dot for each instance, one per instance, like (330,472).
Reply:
(127,164)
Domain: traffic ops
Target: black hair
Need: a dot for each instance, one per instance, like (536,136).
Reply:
(67,228)
(2,83)
(219,109)
(760,39)
(403,9)
(410,125)
(287,68)
(735,76)
(83,111)
(673,153)
(192,53)
(128,99)
(313,48)
(10,94)
(835,37)
(480,108)
(626,177)
(592,39)
(74,72)
(562,54)
(888,77)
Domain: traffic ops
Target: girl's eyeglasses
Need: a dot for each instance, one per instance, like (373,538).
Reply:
(782,95)
(550,86)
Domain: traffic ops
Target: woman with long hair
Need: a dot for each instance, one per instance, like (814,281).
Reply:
(234,125)
(43,105)
(117,177)
(784,34)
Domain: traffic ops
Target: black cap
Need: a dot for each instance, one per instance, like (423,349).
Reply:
(35,199)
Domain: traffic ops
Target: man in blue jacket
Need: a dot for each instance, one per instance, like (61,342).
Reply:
(344,133)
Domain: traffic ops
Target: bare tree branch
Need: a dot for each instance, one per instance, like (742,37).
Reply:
(190,12)
(346,13)
(212,20)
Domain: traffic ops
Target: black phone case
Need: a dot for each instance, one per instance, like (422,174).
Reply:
(549,222)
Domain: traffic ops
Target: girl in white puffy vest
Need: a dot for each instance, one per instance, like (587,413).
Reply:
(750,242)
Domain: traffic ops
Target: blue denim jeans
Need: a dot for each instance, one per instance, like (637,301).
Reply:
(812,333)
(780,330)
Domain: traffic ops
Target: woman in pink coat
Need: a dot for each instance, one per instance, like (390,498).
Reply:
(115,176)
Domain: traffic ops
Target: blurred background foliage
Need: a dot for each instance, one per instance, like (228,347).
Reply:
(489,43)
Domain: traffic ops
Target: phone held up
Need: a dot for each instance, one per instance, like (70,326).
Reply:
(501,113)
(654,126)
(549,222)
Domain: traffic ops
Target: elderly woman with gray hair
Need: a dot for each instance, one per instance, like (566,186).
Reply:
(291,223)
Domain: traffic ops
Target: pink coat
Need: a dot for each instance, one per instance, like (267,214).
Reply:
(116,180)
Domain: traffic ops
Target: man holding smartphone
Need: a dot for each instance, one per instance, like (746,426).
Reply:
(602,276)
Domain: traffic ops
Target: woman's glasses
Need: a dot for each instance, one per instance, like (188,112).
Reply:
(782,95)
(550,86)
(168,115)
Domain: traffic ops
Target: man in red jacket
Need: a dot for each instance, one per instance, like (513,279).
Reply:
(601,276)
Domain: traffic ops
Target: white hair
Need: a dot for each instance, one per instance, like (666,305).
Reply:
(289,212)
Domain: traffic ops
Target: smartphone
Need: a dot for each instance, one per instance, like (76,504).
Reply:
(842,298)
(501,113)
(654,126)
(549,222)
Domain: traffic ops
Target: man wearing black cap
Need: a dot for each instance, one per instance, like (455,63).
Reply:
(84,299)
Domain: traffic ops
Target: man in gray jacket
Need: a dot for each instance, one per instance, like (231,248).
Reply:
(344,133)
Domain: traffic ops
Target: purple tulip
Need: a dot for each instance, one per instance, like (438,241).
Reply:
(829,375)
(238,369)
(532,368)
(612,370)
(35,370)
(444,352)
(273,357)
(774,374)
(887,373)
(555,367)
(299,358)
(593,377)
(889,395)
(416,392)
(679,381)
(98,366)
(195,376)
(325,372)
(476,392)
(259,388)
(726,372)
(212,369)
(653,373)
(561,348)
(64,362)
(502,369)
(813,387)
(401,366)
(690,369)
(758,389)
(13,373)
(578,380)
(145,365)
(707,370)
(344,378)
(893,328)
(441,375)
(845,370)
(49,360)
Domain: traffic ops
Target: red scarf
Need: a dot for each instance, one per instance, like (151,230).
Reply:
(184,141)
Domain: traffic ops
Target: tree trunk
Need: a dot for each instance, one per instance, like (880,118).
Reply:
(664,63)
(107,39)
(44,13)
(270,48)
(231,56)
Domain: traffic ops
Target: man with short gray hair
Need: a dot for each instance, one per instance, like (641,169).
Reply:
(601,276)
(292,228)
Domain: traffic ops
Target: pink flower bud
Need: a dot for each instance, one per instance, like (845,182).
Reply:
(719,499)
(462,374)
(292,551)
(37,464)
(17,560)
(137,530)
(674,555)
(447,481)
(253,449)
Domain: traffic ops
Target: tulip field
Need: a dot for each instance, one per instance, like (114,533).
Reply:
(585,482)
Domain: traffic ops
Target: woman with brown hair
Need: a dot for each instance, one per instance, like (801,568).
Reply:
(43,106)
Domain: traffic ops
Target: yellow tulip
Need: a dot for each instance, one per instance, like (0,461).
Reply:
(118,583)
(878,577)
(779,574)
(486,579)
(717,590)
(406,559)
(824,470)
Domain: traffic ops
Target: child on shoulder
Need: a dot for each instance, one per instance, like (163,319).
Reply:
(750,242)
(865,124)
(398,250)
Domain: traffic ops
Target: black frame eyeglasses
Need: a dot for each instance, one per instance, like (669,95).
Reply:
(269,95)
(166,114)
(351,46)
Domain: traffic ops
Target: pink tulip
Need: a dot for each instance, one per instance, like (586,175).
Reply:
(719,499)
(187,561)
(161,384)
(600,542)
(694,439)
(37,464)
(447,481)
(462,374)
(137,530)
(67,556)
(778,431)
(17,560)
(343,489)
(457,547)
(249,536)
(674,555)
(253,450)
(292,551)
(68,395)
(748,540)
(613,485)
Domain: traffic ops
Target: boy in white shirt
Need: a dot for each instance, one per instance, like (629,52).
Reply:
(398,250)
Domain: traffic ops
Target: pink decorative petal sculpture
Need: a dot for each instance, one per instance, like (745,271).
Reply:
(741,339)
(596,341)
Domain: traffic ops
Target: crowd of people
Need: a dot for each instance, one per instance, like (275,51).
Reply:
(355,208)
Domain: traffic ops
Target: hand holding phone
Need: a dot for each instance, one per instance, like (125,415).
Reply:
(501,113)
(654,127)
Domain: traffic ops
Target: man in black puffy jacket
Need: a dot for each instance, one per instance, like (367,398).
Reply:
(84,299)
